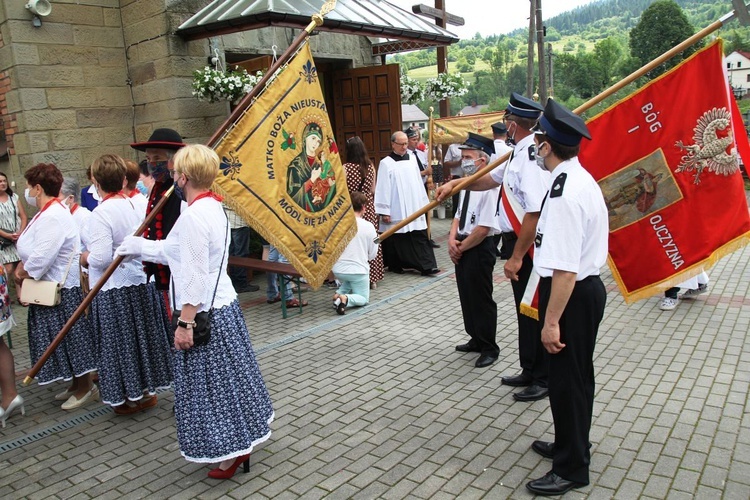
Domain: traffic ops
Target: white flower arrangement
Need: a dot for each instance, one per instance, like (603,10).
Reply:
(215,85)
(445,86)
(411,90)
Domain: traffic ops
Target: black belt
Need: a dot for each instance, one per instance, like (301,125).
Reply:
(508,237)
(587,278)
(461,237)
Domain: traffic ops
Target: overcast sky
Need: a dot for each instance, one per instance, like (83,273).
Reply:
(493,17)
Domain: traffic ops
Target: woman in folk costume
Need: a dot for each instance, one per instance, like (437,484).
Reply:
(360,176)
(222,407)
(134,357)
(48,248)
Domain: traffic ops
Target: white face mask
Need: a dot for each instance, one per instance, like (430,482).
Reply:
(539,159)
(31,201)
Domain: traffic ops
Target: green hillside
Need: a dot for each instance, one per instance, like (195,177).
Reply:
(585,42)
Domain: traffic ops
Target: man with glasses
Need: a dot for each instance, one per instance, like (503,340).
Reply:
(159,149)
(524,185)
(399,192)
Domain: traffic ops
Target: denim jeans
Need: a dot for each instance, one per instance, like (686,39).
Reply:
(272,289)
(356,287)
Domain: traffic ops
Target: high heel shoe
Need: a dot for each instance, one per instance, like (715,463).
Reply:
(218,473)
(4,414)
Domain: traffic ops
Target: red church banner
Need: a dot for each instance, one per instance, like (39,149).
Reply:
(667,159)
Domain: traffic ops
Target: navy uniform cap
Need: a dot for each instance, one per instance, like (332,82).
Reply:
(410,132)
(523,106)
(499,128)
(476,141)
(562,125)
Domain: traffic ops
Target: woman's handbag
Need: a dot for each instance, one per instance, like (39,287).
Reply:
(44,293)
(202,327)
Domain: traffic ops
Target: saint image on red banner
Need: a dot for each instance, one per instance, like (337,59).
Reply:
(666,158)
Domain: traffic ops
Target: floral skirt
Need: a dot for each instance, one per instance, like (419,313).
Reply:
(76,354)
(222,407)
(134,354)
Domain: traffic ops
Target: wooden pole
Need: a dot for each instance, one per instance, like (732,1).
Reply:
(540,49)
(466,181)
(442,59)
(92,293)
(246,101)
(530,51)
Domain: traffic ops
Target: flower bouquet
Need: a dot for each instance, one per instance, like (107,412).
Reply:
(215,85)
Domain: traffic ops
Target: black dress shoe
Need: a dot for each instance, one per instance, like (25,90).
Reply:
(485,360)
(544,448)
(532,393)
(433,244)
(551,484)
(467,347)
(520,380)
(430,272)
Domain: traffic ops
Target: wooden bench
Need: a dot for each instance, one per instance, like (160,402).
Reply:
(285,273)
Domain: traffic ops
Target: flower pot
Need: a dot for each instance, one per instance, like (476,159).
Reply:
(440,212)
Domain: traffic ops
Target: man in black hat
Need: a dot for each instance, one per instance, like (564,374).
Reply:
(159,149)
(500,140)
(472,250)
(523,186)
(570,249)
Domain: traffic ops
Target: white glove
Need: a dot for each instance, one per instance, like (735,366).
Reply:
(131,247)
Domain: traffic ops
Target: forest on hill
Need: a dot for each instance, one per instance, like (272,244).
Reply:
(591,49)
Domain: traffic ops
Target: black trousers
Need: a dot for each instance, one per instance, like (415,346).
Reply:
(410,250)
(474,281)
(571,375)
(531,353)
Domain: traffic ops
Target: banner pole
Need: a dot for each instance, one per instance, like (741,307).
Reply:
(466,181)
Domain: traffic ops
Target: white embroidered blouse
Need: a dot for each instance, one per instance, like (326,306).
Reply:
(47,245)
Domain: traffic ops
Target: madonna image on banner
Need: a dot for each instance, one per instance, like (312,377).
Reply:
(281,171)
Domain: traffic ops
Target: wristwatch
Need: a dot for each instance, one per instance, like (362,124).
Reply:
(185,324)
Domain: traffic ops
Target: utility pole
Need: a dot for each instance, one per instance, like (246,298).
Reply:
(530,53)
(551,71)
(542,62)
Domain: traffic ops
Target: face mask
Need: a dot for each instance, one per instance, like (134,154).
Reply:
(141,187)
(511,135)
(179,192)
(539,159)
(159,170)
(31,201)
(468,166)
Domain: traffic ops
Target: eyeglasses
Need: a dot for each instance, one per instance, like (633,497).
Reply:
(401,143)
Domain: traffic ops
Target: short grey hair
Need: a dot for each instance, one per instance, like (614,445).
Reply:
(71,186)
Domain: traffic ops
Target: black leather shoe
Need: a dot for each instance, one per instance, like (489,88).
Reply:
(544,448)
(467,347)
(551,484)
(532,393)
(520,380)
(433,244)
(485,360)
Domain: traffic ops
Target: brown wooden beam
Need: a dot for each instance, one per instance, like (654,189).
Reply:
(436,14)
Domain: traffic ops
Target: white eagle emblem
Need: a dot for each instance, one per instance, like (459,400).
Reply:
(710,150)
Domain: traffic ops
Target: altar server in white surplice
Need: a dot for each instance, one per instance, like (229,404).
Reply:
(399,192)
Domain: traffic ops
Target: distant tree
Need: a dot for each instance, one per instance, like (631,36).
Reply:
(736,42)
(607,54)
(662,26)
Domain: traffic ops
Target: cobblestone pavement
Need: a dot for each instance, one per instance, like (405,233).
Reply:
(378,404)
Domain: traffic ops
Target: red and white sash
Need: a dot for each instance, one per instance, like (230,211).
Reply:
(515,212)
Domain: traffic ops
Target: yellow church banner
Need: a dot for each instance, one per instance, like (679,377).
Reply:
(455,129)
(281,171)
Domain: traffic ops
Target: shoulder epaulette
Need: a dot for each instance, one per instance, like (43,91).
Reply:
(558,185)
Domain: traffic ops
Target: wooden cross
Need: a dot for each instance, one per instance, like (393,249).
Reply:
(442,19)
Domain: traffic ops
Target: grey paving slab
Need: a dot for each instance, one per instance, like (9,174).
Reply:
(377,404)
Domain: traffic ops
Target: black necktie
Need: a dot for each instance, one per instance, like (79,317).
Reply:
(421,167)
(464,210)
